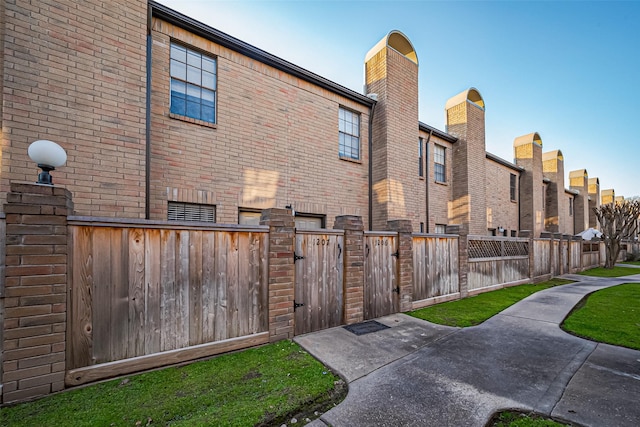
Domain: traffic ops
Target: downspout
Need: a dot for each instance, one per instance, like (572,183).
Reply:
(426,180)
(373,109)
(147,163)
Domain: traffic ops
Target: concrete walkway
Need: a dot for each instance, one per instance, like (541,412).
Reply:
(419,374)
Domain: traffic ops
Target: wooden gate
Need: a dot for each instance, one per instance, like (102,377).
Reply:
(381,293)
(319,288)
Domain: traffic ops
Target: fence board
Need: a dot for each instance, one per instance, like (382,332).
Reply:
(136,299)
(209,288)
(101,309)
(195,287)
(81,336)
(152,309)
(167,290)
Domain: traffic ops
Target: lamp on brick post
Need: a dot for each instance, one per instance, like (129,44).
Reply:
(48,155)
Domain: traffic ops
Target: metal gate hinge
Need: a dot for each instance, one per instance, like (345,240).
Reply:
(297,304)
(396,289)
(396,254)
(296,257)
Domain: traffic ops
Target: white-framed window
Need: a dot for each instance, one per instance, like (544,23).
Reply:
(179,211)
(349,134)
(440,163)
(193,84)
(512,187)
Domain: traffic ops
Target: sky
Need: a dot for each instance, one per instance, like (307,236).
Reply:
(565,69)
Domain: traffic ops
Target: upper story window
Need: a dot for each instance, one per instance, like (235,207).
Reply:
(349,127)
(420,158)
(193,84)
(512,187)
(439,161)
(570,206)
(440,229)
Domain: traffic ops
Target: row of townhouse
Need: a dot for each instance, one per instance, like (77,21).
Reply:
(166,118)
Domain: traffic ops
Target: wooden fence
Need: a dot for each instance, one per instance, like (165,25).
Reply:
(138,290)
(435,269)
(496,261)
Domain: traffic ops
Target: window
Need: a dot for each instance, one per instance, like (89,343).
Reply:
(309,221)
(420,158)
(193,84)
(441,229)
(249,217)
(178,211)
(512,187)
(349,126)
(570,206)
(439,161)
(422,227)
(513,233)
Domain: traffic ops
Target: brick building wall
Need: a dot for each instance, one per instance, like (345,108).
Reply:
(502,212)
(440,193)
(553,170)
(528,155)
(391,73)
(275,142)
(465,120)
(77,76)
(579,182)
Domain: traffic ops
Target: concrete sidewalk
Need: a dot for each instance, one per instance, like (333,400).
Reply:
(419,374)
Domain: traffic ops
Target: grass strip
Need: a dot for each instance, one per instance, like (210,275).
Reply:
(519,419)
(475,310)
(610,315)
(259,386)
(610,272)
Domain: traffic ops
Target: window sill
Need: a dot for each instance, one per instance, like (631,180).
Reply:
(349,159)
(194,121)
(441,182)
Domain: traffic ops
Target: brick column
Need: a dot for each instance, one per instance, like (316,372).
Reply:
(281,272)
(405,261)
(463,257)
(353,266)
(35,294)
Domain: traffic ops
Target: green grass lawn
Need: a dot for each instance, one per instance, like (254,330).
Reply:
(611,272)
(260,386)
(475,310)
(610,315)
(517,419)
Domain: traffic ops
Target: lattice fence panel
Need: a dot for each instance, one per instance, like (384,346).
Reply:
(497,248)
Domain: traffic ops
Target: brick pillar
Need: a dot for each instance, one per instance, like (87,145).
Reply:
(35,294)
(353,266)
(463,257)
(281,272)
(405,261)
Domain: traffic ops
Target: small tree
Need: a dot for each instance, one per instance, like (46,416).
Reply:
(618,221)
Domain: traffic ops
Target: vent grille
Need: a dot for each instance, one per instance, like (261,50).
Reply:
(191,212)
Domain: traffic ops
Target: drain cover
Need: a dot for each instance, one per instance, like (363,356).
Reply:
(365,327)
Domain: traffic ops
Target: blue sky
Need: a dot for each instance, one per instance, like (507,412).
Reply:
(565,69)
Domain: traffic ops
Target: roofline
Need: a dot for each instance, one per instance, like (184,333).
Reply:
(503,162)
(176,18)
(437,132)
(574,192)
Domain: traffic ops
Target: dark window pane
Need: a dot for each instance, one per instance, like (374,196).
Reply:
(178,104)
(178,87)
(208,114)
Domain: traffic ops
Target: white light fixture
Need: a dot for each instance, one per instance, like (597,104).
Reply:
(48,155)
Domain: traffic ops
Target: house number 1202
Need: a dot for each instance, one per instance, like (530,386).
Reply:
(322,242)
